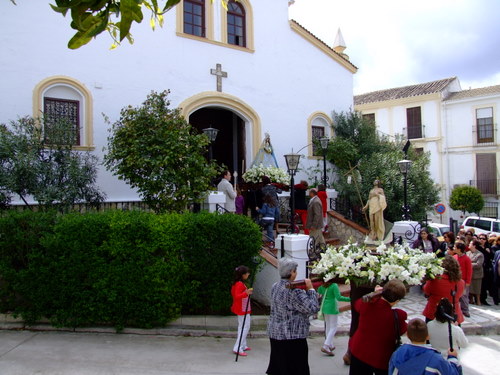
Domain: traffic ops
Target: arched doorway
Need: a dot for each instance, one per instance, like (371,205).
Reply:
(229,148)
(248,136)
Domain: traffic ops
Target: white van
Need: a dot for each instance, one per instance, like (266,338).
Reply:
(481,225)
(438,230)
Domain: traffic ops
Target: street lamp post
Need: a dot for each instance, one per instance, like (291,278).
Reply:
(324,145)
(292,163)
(404,167)
(211,133)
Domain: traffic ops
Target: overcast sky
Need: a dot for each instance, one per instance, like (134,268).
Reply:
(398,43)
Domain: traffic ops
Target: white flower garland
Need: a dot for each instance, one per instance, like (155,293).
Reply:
(357,263)
(255,174)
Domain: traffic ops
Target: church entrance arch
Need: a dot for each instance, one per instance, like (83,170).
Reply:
(239,127)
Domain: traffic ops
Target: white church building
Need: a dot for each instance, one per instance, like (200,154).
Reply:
(246,71)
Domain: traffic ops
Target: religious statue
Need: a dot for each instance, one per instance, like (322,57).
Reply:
(376,205)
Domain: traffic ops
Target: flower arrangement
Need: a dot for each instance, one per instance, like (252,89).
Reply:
(358,264)
(276,174)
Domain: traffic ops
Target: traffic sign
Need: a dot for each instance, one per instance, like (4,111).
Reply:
(440,208)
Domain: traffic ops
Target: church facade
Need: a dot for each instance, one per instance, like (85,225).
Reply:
(246,71)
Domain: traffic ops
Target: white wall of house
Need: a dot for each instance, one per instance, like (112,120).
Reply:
(284,80)
(449,136)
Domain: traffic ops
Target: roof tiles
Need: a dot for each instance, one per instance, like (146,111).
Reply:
(482,91)
(403,92)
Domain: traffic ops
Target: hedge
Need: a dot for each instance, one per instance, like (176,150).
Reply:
(121,268)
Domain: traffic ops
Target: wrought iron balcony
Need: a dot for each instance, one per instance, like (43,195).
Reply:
(486,187)
(414,132)
(484,135)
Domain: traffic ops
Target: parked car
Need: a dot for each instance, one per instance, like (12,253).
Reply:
(438,230)
(481,225)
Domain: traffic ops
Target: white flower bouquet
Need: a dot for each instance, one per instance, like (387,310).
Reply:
(277,175)
(363,266)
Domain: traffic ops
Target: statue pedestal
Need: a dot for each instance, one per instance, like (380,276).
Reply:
(213,199)
(406,229)
(295,246)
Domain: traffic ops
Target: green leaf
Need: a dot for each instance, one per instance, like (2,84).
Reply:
(92,26)
(62,10)
(131,11)
(170,4)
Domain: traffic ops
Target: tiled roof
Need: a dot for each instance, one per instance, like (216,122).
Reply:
(482,91)
(326,45)
(403,92)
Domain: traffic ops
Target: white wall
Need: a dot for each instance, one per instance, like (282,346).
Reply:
(285,80)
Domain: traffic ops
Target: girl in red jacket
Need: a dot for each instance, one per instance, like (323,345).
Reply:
(241,307)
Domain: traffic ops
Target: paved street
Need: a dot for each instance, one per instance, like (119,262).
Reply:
(25,353)
(202,345)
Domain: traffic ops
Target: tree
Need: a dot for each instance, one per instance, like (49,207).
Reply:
(91,17)
(466,198)
(37,159)
(358,144)
(155,150)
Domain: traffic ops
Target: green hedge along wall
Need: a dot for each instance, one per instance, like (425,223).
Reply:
(120,268)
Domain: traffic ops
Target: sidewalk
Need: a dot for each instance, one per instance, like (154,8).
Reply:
(484,320)
(68,353)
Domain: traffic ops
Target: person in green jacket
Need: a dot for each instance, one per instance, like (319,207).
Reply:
(330,310)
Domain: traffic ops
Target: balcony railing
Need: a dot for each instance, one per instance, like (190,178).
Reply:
(486,187)
(484,135)
(490,209)
(413,132)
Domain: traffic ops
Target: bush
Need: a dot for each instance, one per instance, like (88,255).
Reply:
(120,268)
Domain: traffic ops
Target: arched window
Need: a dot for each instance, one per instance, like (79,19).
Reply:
(62,98)
(236,33)
(194,17)
(318,126)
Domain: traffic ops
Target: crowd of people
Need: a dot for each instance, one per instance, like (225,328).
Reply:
(471,273)
(376,327)
(478,257)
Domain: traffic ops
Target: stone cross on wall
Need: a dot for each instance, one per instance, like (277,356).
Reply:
(220,74)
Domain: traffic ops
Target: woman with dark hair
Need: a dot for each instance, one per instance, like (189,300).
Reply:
(373,343)
(449,285)
(446,247)
(466,268)
(438,330)
(288,325)
(426,242)
(270,214)
(487,283)
(477,260)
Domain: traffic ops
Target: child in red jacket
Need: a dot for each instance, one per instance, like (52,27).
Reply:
(241,307)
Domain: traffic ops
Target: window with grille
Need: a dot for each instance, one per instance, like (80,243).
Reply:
(236,24)
(484,123)
(486,171)
(370,117)
(317,133)
(55,110)
(194,17)
(414,122)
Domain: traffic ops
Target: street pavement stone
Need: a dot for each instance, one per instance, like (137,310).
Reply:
(72,353)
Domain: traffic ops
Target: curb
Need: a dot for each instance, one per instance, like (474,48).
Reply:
(215,327)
